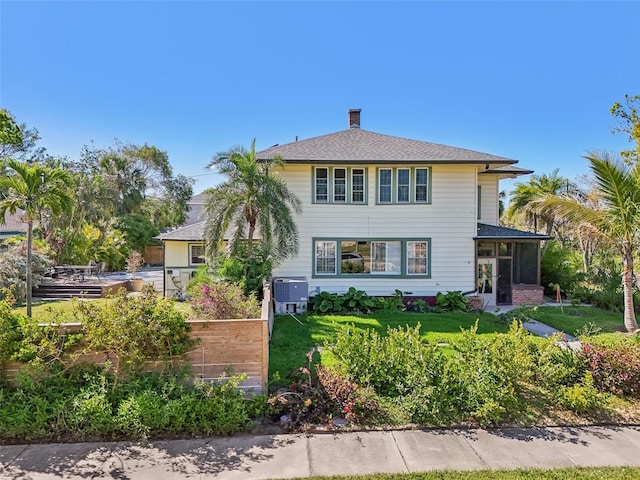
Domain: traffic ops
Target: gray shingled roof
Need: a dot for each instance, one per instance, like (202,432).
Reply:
(357,145)
(193,232)
(196,209)
(494,232)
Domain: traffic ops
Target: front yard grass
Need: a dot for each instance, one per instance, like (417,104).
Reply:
(579,319)
(291,341)
(576,473)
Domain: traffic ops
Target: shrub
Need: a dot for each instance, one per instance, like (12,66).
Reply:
(490,372)
(452,301)
(557,269)
(615,368)
(222,300)
(13,268)
(249,273)
(392,364)
(10,334)
(132,330)
(559,366)
(582,397)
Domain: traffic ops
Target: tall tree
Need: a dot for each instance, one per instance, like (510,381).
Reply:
(525,194)
(142,181)
(251,201)
(615,214)
(629,122)
(17,141)
(32,189)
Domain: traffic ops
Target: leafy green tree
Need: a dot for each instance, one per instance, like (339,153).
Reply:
(141,180)
(525,194)
(616,215)
(17,141)
(629,122)
(30,189)
(251,202)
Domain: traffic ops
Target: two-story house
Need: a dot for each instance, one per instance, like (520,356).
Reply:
(383,213)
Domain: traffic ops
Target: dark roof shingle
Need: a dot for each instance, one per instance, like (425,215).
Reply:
(494,232)
(357,145)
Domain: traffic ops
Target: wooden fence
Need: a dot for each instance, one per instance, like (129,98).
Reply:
(153,255)
(224,347)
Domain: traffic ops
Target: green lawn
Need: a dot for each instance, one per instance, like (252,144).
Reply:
(42,309)
(570,319)
(291,340)
(578,473)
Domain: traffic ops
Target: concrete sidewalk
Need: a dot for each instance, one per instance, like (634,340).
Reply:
(289,456)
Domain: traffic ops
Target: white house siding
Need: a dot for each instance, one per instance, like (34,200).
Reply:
(449,221)
(489,199)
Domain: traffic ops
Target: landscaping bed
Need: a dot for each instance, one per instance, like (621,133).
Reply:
(399,369)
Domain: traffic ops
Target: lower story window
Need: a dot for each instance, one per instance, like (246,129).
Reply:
(326,258)
(417,258)
(372,257)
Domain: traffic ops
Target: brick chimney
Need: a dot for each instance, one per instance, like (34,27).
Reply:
(354,117)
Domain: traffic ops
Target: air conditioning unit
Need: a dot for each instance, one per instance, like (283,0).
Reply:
(290,294)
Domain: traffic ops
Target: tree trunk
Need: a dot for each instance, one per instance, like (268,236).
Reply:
(29,273)
(627,286)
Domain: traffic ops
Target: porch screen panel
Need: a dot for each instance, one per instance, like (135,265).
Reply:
(525,266)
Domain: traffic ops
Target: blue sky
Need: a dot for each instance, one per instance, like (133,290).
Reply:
(532,81)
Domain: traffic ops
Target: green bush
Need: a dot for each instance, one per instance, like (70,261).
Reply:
(249,272)
(222,300)
(582,397)
(453,301)
(557,268)
(132,330)
(86,403)
(10,334)
(615,368)
(392,364)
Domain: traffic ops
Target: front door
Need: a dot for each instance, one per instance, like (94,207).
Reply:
(486,281)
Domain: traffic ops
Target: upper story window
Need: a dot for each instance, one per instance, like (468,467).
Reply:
(422,185)
(357,185)
(404,185)
(385,185)
(339,185)
(322,185)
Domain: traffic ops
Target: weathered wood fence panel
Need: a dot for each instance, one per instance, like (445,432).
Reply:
(224,347)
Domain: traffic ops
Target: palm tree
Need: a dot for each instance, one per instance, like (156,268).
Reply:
(33,188)
(615,214)
(252,201)
(525,193)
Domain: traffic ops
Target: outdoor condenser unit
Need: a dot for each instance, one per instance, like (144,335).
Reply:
(290,294)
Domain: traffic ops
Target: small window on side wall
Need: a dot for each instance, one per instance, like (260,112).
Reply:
(196,255)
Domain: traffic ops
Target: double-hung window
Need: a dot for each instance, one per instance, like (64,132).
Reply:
(385,185)
(403,185)
(422,185)
(339,185)
(403,193)
(417,258)
(357,185)
(326,257)
(322,185)
(196,254)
